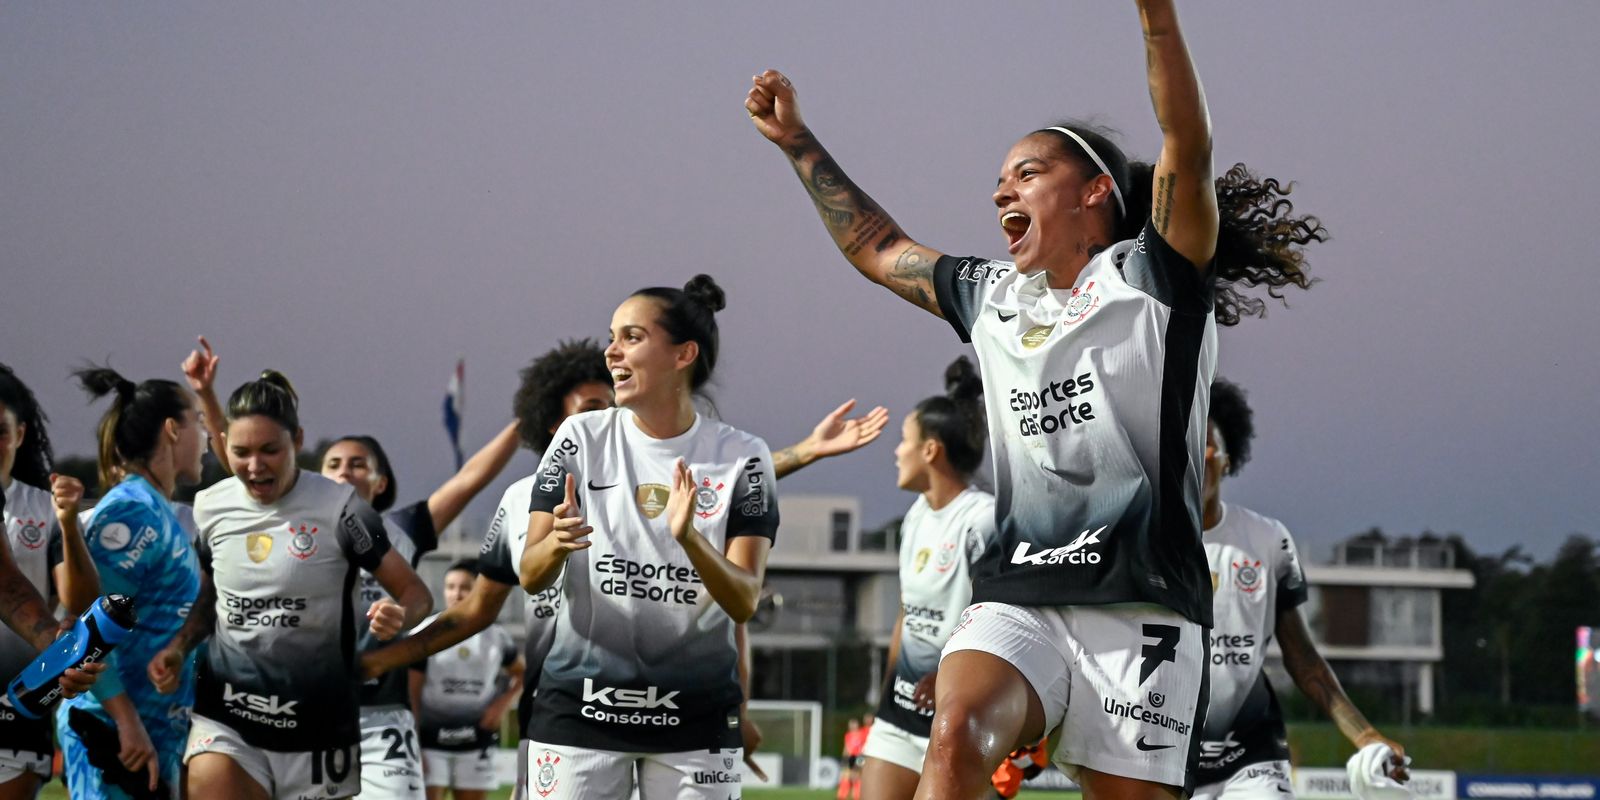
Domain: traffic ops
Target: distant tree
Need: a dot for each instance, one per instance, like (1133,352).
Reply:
(1560,596)
(1509,640)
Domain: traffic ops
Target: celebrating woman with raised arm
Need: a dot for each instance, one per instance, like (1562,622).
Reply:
(1097,348)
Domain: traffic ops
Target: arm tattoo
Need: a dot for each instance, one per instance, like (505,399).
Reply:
(24,610)
(202,618)
(786,461)
(853,219)
(439,634)
(912,277)
(1163,201)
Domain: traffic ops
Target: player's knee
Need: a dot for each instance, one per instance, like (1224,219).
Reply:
(961,736)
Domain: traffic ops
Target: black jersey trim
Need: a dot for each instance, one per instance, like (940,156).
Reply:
(1201,706)
(1291,599)
(1166,275)
(347,628)
(29,735)
(1262,741)
(1176,523)
(417,521)
(945,291)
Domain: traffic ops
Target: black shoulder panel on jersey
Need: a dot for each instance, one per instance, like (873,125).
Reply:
(958,284)
(417,521)
(361,534)
(494,557)
(1153,267)
(56,552)
(755,508)
(562,458)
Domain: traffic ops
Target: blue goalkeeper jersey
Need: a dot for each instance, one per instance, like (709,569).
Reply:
(142,551)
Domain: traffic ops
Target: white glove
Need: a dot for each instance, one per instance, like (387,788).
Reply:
(1368,771)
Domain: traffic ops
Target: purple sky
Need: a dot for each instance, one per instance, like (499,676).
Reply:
(356,193)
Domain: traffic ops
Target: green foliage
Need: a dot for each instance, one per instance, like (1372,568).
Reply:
(1510,750)
(1509,641)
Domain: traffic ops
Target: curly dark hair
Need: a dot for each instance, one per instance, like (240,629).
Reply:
(545,384)
(1261,242)
(35,455)
(1231,413)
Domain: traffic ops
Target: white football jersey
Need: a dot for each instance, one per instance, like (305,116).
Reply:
(280,668)
(500,560)
(937,549)
(411,534)
(34,536)
(643,659)
(1096,398)
(459,683)
(1257,575)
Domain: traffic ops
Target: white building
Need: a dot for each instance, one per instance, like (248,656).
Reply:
(1375,612)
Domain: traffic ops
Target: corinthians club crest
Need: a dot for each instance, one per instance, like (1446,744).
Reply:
(30,532)
(1082,303)
(544,773)
(707,499)
(302,542)
(1247,575)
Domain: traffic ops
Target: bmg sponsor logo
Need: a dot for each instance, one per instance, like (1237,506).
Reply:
(980,271)
(755,499)
(557,468)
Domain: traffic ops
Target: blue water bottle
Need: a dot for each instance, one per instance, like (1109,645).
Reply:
(97,631)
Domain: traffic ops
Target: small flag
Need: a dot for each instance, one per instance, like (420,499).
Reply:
(452,408)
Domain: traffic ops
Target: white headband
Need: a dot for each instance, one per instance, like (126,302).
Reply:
(1095,157)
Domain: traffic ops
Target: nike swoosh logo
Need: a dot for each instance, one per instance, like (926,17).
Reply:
(1149,747)
(1004,318)
(594,488)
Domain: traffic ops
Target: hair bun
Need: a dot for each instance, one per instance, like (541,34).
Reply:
(961,381)
(705,291)
(281,381)
(101,381)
